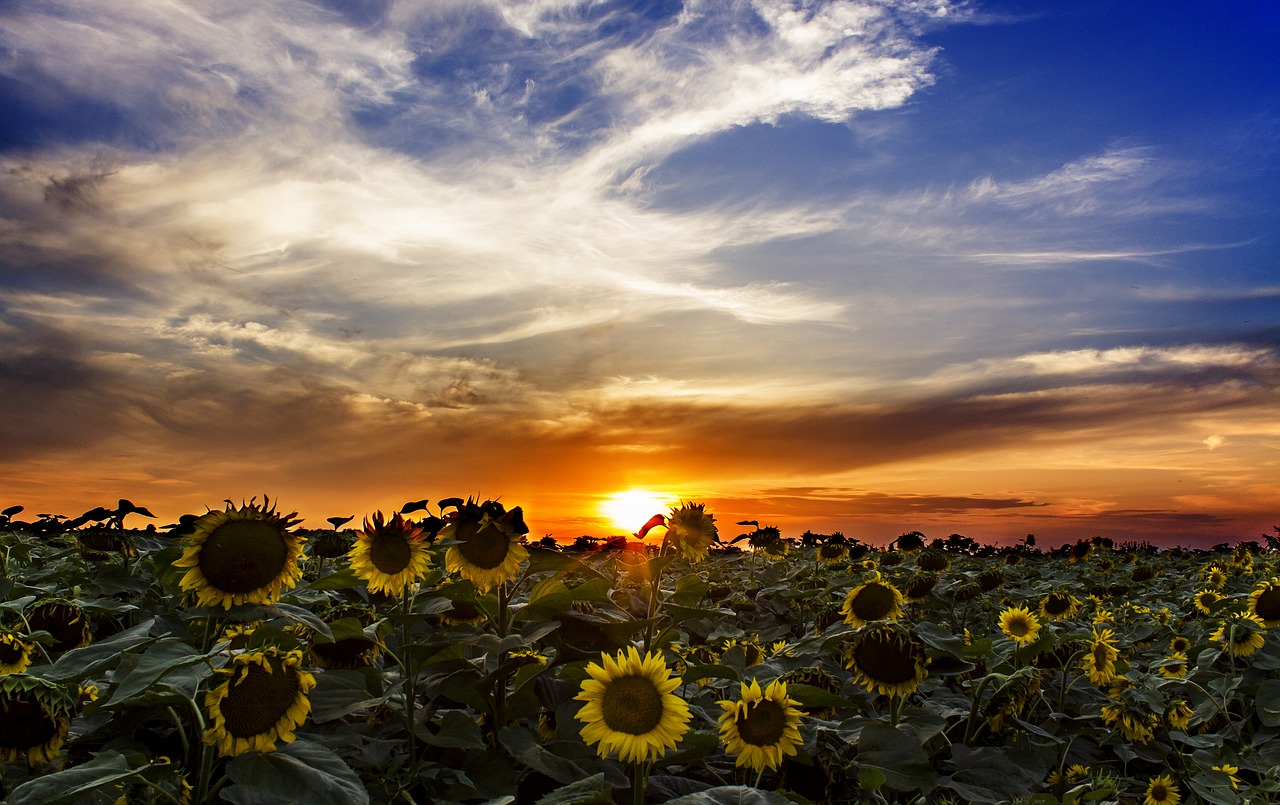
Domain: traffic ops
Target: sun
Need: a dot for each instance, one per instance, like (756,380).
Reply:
(630,510)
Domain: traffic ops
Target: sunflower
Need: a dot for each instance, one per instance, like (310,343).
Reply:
(884,660)
(1174,666)
(817,678)
(1179,714)
(1241,634)
(752,649)
(241,556)
(1178,643)
(873,600)
(1215,577)
(1162,790)
(67,622)
(34,720)
(832,553)
(15,654)
(629,707)
(261,699)
(1011,697)
(1099,662)
(919,587)
(760,727)
(1264,602)
(1059,606)
(1205,599)
(389,555)
(1232,773)
(1136,724)
(691,531)
(486,548)
(1019,625)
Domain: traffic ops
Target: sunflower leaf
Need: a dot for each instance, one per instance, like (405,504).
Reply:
(69,785)
(163,657)
(588,791)
(82,663)
(301,772)
(732,795)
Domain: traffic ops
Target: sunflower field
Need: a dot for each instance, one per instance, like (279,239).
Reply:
(446,658)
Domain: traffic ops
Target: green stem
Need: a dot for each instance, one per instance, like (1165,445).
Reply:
(639,782)
(406,668)
(973,709)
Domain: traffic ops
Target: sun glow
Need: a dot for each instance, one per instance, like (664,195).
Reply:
(630,510)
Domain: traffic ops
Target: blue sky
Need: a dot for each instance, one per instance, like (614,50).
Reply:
(875,266)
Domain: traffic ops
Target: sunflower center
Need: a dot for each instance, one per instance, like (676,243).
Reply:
(1018,626)
(1057,604)
(24,723)
(259,700)
(390,553)
(349,652)
(873,602)
(1101,657)
(11,653)
(1158,792)
(632,704)
(486,547)
(885,658)
(65,623)
(763,723)
(1267,606)
(831,551)
(241,556)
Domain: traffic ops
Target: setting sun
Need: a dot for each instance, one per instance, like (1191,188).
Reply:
(630,510)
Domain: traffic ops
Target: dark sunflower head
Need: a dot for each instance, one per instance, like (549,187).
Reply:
(245,555)
(1264,602)
(485,543)
(933,560)
(887,660)
(259,699)
(66,621)
(920,586)
(35,717)
(873,600)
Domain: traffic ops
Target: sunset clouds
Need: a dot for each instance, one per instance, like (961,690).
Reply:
(758,253)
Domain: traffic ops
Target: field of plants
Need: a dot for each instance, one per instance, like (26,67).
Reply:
(438,655)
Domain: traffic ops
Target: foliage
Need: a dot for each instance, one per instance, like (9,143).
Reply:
(449,693)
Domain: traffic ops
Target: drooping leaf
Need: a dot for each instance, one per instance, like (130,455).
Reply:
(299,773)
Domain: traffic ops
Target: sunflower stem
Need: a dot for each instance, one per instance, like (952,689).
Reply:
(406,668)
(973,708)
(639,782)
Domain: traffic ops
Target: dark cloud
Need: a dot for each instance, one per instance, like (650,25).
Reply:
(54,396)
(75,193)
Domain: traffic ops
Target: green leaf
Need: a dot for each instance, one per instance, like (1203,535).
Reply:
(525,748)
(811,696)
(870,778)
(713,671)
(987,775)
(163,657)
(343,579)
(542,560)
(1267,702)
(63,787)
(301,772)
(732,795)
(896,754)
(689,590)
(590,791)
(458,730)
(82,663)
(340,693)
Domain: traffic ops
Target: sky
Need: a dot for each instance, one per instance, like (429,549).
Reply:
(990,268)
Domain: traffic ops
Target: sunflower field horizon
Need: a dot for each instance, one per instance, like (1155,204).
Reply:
(444,653)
